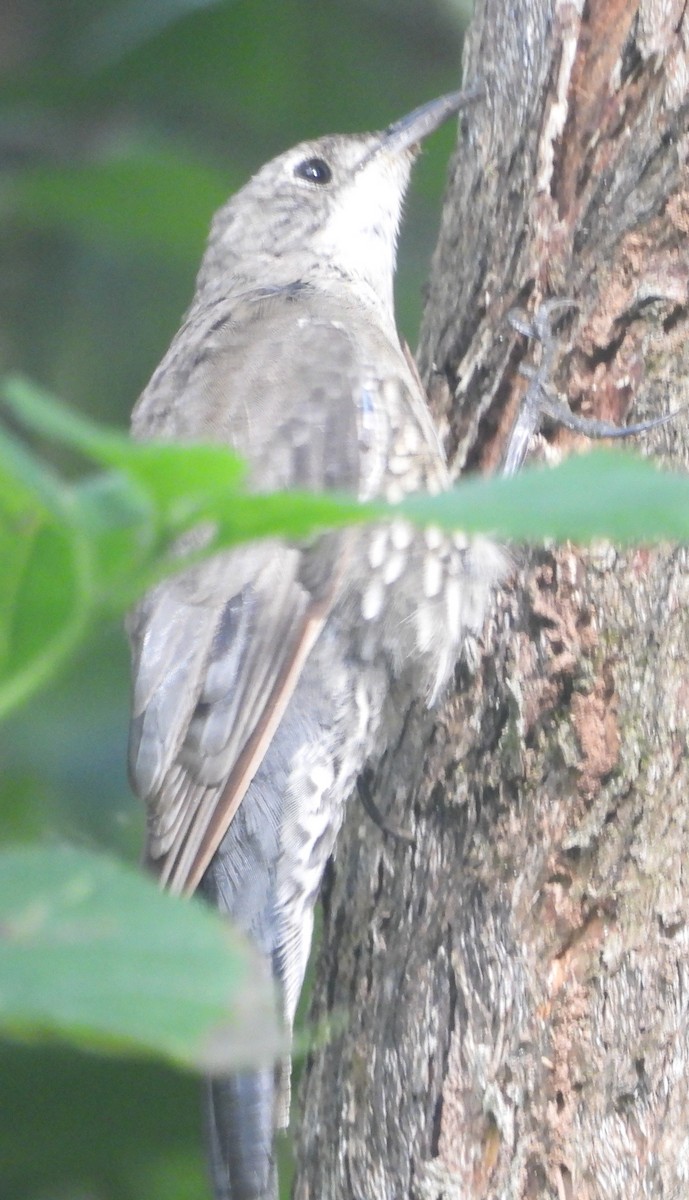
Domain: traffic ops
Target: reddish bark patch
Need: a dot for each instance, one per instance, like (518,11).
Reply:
(594,107)
(594,717)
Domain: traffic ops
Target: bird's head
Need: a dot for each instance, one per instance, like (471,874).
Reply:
(325,211)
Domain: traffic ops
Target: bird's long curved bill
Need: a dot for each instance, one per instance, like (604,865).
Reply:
(426,119)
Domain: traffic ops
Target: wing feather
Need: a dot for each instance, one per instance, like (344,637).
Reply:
(218,650)
(216,811)
(220,702)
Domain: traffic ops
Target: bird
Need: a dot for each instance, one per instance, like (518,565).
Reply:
(268,677)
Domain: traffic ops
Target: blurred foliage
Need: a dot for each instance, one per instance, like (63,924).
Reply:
(93,953)
(123,125)
(75,552)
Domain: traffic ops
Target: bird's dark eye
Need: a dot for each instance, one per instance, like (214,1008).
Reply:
(315,170)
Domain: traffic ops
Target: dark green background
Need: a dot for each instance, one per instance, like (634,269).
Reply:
(123,126)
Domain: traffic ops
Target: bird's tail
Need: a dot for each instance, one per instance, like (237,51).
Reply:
(240,1115)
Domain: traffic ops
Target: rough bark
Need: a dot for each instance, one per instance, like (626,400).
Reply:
(513,986)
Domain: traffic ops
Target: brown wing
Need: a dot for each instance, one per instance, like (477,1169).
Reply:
(217,651)
(215,663)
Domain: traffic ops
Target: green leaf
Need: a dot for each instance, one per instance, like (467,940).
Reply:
(291,514)
(45,577)
(171,488)
(75,552)
(181,482)
(604,494)
(93,953)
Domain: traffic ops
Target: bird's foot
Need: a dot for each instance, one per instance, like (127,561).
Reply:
(541,404)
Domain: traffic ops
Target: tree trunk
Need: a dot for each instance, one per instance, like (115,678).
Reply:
(511,989)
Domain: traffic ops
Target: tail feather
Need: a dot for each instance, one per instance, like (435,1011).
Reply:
(240,1120)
